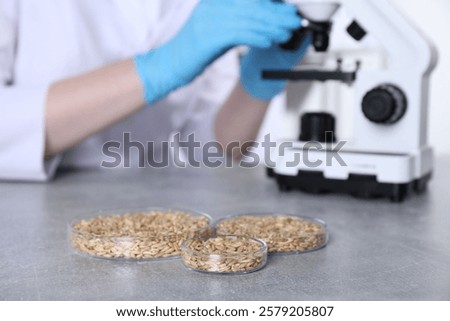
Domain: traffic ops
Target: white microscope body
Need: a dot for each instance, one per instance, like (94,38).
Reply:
(377,89)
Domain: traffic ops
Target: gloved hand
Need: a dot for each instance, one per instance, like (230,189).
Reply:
(214,27)
(274,58)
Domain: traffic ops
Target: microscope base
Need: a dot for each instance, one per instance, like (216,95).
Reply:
(360,186)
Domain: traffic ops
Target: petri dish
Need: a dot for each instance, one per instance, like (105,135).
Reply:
(283,233)
(224,254)
(141,234)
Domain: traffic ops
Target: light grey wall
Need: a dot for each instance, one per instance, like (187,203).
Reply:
(433,18)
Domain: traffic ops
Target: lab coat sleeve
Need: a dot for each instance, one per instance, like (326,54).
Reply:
(22,121)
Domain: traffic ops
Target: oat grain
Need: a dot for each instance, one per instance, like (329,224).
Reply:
(143,235)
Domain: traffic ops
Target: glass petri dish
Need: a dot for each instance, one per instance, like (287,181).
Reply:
(283,233)
(139,234)
(224,254)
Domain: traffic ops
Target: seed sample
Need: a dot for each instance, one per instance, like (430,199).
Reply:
(140,235)
(282,233)
(224,254)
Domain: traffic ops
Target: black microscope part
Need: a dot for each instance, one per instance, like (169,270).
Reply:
(385,104)
(356,31)
(321,35)
(318,127)
(319,31)
(298,36)
(310,75)
(359,186)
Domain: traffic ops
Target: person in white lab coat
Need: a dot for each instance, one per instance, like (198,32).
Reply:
(75,74)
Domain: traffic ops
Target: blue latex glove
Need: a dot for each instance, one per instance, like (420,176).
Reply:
(214,27)
(274,58)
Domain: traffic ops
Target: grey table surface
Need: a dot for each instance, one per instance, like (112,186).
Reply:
(377,251)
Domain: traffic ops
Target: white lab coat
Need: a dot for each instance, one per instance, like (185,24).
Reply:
(45,41)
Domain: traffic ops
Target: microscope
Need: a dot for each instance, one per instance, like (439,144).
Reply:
(357,106)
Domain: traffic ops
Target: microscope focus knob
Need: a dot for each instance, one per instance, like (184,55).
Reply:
(385,104)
